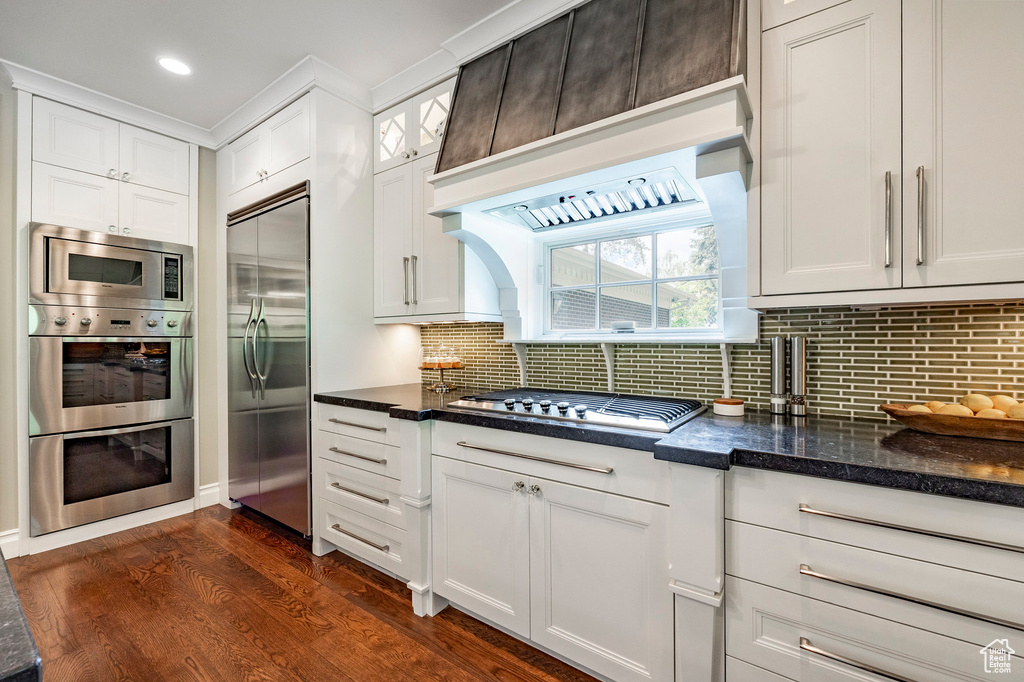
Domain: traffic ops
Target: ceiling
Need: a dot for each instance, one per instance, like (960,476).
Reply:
(235,47)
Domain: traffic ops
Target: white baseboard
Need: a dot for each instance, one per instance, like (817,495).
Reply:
(209,495)
(9,543)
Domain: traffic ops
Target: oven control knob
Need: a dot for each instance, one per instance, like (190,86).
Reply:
(545,405)
(172,323)
(85,321)
(563,407)
(60,321)
(581,410)
(510,403)
(528,404)
(151,323)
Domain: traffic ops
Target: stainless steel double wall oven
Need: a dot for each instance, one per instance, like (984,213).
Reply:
(110,395)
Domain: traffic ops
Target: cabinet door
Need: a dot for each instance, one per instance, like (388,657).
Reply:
(392,136)
(830,133)
(153,160)
(74,199)
(392,242)
(481,536)
(286,137)
(430,111)
(599,581)
(963,89)
(72,138)
(437,262)
(245,158)
(153,214)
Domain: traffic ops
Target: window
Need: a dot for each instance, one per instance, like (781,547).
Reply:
(661,281)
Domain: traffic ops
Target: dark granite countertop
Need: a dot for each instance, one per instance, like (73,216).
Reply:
(874,453)
(19,658)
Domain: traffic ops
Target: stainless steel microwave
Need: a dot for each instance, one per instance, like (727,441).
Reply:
(72,267)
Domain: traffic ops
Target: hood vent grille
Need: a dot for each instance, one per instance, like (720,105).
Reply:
(628,196)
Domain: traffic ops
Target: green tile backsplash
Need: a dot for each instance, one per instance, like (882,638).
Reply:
(857,358)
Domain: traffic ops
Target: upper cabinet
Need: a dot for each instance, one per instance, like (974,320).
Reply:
(887,164)
(94,173)
(278,143)
(78,140)
(412,129)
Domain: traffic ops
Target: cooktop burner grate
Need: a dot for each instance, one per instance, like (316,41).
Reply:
(604,409)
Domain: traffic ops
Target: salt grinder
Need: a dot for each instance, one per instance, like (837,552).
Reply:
(779,402)
(798,376)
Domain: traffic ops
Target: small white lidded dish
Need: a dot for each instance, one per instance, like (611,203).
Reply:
(728,407)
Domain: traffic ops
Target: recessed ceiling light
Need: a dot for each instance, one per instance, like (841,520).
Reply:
(175,66)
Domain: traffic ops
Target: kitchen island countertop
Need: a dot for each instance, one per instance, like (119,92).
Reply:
(19,658)
(870,452)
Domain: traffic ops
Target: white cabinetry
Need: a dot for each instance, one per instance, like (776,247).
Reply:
(419,272)
(94,173)
(412,129)
(886,165)
(541,549)
(278,143)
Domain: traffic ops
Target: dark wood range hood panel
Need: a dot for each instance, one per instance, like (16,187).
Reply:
(600,59)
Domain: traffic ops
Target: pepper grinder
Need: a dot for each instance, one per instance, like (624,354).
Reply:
(798,376)
(779,398)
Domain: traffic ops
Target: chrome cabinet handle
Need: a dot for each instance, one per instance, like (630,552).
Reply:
(888,219)
(126,230)
(358,426)
(126,176)
(112,228)
(415,288)
(920,215)
(382,548)
(405,269)
(378,500)
(805,645)
(809,572)
(405,155)
(571,465)
(805,509)
(362,457)
(414,152)
(533,489)
(112,173)
(517,486)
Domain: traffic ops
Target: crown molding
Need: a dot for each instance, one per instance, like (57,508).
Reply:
(51,87)
(501,26)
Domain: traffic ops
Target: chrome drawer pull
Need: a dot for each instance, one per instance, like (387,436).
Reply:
(362,457)
(378,500)
(804,509)
(572,465)
(382,548)
(805,645)
(811,573)
(358,426)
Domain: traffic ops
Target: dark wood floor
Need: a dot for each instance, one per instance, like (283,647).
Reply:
(226,595)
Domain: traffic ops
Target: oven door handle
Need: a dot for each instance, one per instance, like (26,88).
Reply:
(113,432)
(261,378)
(245,348)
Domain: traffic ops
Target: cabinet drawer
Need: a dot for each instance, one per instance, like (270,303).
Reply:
(772,629)
(777,12)
(741,671)
(377,458)
(362,424)
(855,578)
(924,522)
(361,536)
(371,494)
(634,473)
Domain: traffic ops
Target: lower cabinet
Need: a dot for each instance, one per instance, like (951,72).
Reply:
(580,572)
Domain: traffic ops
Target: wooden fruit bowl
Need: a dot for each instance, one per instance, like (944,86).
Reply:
(953,425)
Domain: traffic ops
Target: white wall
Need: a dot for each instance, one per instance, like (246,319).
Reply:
(8,333)
(206,317)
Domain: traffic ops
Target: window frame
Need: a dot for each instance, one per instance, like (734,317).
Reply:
(596,238)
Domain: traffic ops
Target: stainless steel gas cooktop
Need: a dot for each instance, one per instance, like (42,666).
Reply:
(600,409)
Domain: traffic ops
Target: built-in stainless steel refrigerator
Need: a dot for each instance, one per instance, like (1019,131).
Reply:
(268,357)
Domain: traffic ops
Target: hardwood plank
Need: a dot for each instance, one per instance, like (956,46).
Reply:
(227,595)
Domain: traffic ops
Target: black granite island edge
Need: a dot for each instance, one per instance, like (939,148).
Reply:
(874,453)
(19,657)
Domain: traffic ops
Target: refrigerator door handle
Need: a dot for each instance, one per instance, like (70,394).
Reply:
(260,319)
(245,348)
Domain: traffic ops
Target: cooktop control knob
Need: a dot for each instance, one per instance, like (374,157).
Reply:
(60,321)
(172,323)
(563,408)
(151,323)
(545,405)
(510,403)
(581,410)
(528,404)
(85,321)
